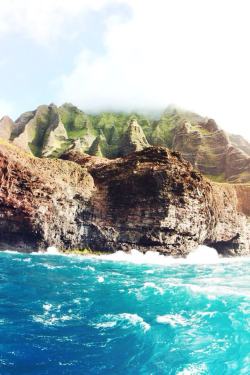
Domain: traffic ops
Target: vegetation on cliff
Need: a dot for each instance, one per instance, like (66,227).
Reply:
(50,131)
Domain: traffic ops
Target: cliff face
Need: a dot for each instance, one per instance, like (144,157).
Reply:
(149,200)
(39,200)
(49,131)
(210,150)
(6,127)
(41,132)
(133,139)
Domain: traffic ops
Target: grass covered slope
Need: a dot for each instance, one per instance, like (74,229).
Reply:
(49,131)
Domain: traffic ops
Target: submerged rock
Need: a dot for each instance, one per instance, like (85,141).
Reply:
(150,200)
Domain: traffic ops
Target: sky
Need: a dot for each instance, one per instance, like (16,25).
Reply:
(128,55)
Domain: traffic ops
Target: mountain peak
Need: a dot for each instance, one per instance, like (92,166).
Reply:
(49,131)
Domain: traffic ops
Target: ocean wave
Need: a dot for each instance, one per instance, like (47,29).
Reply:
(172,319)
(202,255)
(125,320)
(217,290)
(52,315)
(153,286)
(100,279)
(52,250)
(11,251)
(194,369)
(51,320)
(202,315)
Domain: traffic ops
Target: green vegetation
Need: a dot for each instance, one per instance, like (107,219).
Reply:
(216,178)
(37,130)
(13,147)
(50,131)
(76,122)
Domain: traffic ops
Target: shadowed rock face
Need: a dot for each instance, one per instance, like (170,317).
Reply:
(149,200)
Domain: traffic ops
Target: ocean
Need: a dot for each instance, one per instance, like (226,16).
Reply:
(124,314)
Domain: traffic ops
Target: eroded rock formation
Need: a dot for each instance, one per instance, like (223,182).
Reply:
(6,127)
(49,131)
(150,200)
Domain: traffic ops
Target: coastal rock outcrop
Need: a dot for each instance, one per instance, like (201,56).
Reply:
(150,200)
(209,149)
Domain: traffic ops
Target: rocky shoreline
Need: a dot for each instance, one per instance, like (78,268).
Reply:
(149,200)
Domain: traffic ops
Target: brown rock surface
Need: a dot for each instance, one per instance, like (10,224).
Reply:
(210,150)
(149,200)
(133,139)
(6,127)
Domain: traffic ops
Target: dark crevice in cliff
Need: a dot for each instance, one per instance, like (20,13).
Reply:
(227,247)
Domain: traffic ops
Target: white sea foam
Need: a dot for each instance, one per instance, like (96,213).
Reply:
(100,279)
(47,306)
(194,369)
(215,290)
(124,319)
(106,324)
(201,255)
(50,266)
(49,320)
(11,252)
(52,250)
(51,315)
(172,319)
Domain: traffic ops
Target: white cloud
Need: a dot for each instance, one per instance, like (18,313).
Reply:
(42,20)
(193,53)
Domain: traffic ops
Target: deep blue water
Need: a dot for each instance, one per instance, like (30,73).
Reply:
(74,315)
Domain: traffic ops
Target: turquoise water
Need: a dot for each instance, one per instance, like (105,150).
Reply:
(74,315)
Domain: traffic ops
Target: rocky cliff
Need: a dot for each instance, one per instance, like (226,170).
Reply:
(6,127)
(49,131)
(150,200)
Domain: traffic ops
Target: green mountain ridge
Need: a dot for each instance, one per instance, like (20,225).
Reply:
(50,131)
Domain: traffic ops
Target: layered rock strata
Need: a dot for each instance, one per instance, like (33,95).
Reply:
(150,200)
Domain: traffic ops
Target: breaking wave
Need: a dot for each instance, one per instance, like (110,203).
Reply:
(201,255)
